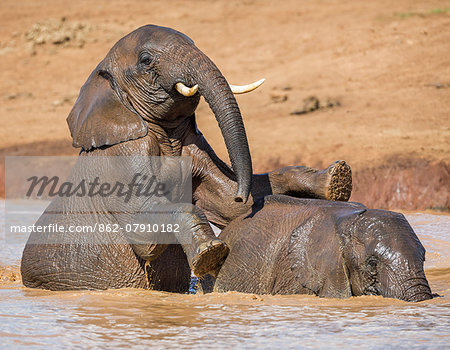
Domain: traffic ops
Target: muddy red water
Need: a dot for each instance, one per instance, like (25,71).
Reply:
(136,318)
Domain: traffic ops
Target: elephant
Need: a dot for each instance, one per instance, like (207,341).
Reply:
(139,103)
(287,245)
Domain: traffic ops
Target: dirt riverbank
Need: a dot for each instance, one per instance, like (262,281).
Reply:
(368,82)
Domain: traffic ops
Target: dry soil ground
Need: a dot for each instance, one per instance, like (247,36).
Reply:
(380,70)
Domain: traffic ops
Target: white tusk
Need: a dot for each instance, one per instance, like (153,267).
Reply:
(186,91)
(242,89)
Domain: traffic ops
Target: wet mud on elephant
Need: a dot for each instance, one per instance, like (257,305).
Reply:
(140,101)
(286,245)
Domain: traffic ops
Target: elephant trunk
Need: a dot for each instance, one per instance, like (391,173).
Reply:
(217,93)
(415,289)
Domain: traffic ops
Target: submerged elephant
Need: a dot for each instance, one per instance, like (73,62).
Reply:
(140,102)
(286,245)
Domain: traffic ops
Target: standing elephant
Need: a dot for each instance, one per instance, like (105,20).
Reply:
(140,102)
(286,245)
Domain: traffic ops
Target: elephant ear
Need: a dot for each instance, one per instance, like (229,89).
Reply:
(99,117)
(316,259)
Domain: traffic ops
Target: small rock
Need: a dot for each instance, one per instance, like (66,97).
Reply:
(11,96)
(312,104)
(278,98)
(329,103)
(439,85)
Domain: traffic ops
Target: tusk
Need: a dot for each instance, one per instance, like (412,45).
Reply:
(242,89)
(186,91)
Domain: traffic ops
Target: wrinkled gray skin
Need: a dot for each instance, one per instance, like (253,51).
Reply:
(129,107)
(287,245)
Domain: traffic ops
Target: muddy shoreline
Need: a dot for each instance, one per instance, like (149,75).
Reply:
(365,82)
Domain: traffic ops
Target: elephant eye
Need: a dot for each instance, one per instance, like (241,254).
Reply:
(372,265)
(145,59)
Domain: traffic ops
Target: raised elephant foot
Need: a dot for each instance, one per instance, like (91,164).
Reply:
(210,256)
(338,181)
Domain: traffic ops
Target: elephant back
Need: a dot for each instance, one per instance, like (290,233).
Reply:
(267,244)
(256,240)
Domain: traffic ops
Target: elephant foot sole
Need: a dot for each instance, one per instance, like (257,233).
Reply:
(211,255)
(340,181)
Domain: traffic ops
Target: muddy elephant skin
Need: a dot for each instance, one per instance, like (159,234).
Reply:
(287,245)
(140,101)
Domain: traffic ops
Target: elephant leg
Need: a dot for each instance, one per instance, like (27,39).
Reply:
(214,183)
(189,227)
(204,251)
(332,183)
(170,272)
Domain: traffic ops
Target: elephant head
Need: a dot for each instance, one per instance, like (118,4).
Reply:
(383,256)
(154,76)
